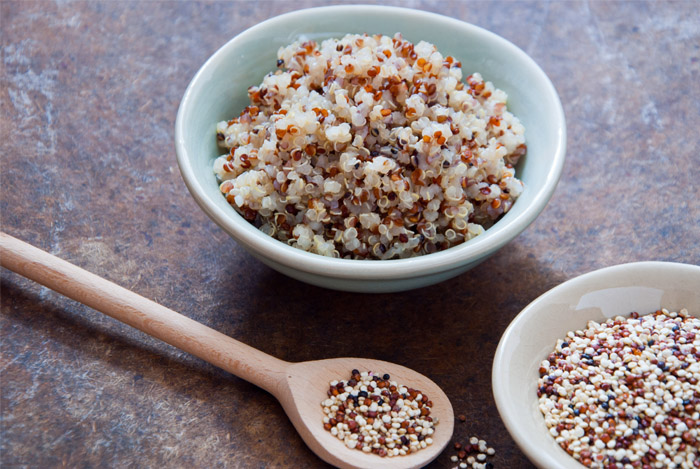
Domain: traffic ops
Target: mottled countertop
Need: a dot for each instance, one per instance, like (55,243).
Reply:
(88,101)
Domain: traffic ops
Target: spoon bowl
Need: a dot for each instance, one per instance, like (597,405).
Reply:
(305,386)
(299,387)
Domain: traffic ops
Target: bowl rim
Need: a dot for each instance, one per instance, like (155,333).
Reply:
(518,431)
(312,263)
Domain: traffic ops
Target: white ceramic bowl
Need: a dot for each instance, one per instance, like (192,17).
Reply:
(643,287)
(219,91)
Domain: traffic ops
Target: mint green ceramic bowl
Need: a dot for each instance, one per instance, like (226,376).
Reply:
(219,91)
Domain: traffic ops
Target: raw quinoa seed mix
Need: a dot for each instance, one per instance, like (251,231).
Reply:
(371,413)
(626,393)
(474,454)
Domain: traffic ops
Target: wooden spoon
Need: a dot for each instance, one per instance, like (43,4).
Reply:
(300,387)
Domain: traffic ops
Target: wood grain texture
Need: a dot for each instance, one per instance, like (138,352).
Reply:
(87,172)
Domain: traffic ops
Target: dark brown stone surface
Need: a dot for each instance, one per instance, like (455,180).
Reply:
(88,101)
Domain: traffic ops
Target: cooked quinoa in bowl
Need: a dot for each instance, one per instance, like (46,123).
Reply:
(371,147)
(339,193)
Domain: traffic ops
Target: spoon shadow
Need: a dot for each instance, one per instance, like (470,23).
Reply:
(118,374)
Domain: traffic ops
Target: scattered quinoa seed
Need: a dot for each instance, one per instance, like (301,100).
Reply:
(373,414)
(473,454)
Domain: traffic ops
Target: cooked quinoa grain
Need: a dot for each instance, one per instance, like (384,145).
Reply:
(371,413)
(371,147)
(626,393)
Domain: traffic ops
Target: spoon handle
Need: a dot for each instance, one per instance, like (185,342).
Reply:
(126,306)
